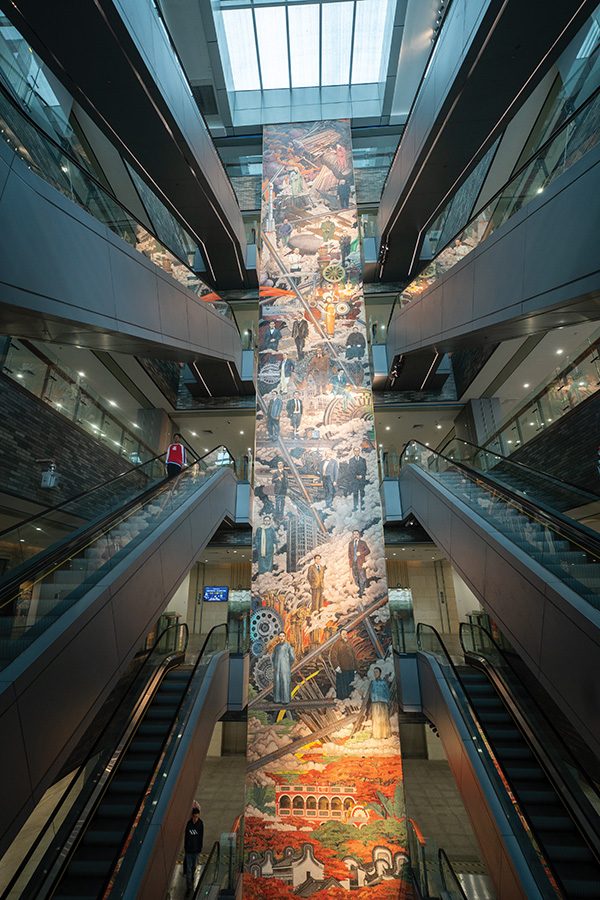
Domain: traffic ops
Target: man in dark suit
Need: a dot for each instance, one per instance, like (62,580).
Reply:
(329,475)
(357,473)
(299,334)
(358,550)
(273,416)
(294,410)
(271,338)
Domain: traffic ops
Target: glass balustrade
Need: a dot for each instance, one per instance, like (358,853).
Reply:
(577,136)
(48,160)
(68,392)
(549,402)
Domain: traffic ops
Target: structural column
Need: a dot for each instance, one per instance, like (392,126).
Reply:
(324,806)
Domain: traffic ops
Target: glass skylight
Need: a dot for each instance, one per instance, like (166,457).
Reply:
(286,45)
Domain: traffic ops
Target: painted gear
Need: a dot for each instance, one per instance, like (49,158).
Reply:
(263,672)
(265,624)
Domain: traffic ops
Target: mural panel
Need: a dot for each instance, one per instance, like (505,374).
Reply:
(325,812)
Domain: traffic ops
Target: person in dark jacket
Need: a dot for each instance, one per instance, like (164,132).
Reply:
(192,847)
(280,484)
(294,409)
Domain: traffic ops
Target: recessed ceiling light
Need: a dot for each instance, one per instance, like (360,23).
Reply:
(206,449)
(526,385)
(540,190)
(387,427)
(559,352)
(112,403)
(581,383)
(427,443)
(135,424)
(438,426)
(241,432)
(81,374)
(37,528)
(532,423)
(19,375)
(509,442)
(193,434)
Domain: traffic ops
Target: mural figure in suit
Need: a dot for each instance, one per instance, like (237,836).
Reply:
(357,473)
(265,545)
(329,475)
(316,578)
(282,659)
(294,409)
(271,338)
(358,550)
(343,660)
(274,410)
(299,335)
(280,483)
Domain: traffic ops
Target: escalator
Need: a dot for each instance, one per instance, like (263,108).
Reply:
(55,558)
(100,821)
(492,486)
(557,804)
(508,532)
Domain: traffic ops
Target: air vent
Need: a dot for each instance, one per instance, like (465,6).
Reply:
(204,95)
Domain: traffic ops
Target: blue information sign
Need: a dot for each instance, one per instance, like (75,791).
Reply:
(215,594)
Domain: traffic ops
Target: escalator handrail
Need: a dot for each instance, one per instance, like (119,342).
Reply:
(139,707)
(514,462)
(487,749)
(554,771)
(215,850)
(50,558)
(96,487)
(457,886)
(138,812)
(569,529)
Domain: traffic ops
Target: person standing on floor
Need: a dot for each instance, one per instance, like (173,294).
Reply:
(274,415)
(176,457)
(192,847)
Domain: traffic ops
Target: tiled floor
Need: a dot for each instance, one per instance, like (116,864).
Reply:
(221,796)
(433,800)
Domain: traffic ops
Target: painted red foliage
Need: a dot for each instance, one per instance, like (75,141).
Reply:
(369,775)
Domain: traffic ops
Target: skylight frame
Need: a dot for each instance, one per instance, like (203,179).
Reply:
(236,85)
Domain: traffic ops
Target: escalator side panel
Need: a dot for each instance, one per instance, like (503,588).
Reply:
(553,630)
(96,638)
(505,863)
(158,855)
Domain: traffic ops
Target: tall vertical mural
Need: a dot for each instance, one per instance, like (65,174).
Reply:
(324,798)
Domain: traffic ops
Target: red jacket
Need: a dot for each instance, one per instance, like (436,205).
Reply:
(176,454)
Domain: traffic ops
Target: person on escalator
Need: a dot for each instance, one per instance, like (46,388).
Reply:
(192,847)
(176,456)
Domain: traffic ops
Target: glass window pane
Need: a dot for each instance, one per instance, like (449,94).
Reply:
(370,41)
(304,45)
(272,46)
(239,32)
(336,41)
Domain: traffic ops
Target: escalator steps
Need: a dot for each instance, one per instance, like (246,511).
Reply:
(571,859)
(94,858)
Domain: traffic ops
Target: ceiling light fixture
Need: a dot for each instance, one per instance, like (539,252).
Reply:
(438,426)
(559,352)
(81,374)
(387,427)
(193,434)
(112,403)
(526,385)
